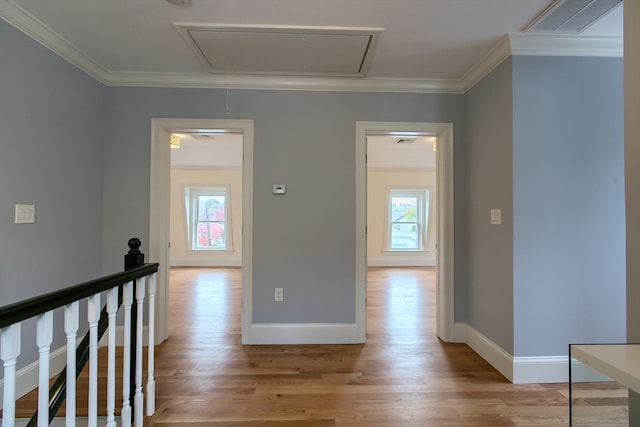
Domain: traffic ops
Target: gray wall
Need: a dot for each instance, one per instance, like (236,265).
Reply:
(632,180)
(549,152)
(303,241)
(489,186)
(51,157)
(569,233)
(632,165)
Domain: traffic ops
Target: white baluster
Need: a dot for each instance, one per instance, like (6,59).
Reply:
(71,330)
(138,397)
(151,384)
(93,316)
(112,309)
(9,351)
(127,300)
(44,337)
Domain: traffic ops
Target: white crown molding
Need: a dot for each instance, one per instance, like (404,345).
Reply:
(495,57)
(565,45)
(37,30)
(542,45)
(269,82)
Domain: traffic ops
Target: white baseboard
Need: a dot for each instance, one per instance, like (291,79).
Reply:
(518,370)
(540,369)
(27,377)
(460,332)
(491,352)
(302,333)
(401,261)
(206,262)
(120,337)
(60,422)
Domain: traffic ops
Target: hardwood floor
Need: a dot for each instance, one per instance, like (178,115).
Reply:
(402,376)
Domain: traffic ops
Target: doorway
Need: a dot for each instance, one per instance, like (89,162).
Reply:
(159,215)
(442,133)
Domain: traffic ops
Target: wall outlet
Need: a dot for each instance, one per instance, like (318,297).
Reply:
(279,294)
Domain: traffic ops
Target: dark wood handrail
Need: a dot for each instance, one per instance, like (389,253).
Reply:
(19,311)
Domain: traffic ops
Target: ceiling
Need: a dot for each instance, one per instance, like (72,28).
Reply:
(416,45)
(359,45)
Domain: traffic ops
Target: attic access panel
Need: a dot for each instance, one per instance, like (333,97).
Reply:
(317,51)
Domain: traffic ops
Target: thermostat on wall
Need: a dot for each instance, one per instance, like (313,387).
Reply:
(279,188)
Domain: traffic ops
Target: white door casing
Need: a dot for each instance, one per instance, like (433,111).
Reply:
(159,216)
(159,209)
(445,219)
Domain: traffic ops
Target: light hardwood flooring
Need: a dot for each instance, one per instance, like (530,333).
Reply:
(402,376)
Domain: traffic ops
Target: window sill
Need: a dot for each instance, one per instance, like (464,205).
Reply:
(209,251)
(405,251)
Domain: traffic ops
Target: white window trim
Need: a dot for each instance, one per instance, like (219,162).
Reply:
(189,193)
(425,194)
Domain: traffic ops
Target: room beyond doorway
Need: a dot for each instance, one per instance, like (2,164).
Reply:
(159,212)
(443,134)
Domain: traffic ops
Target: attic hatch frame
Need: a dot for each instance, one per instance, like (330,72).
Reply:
(339,36)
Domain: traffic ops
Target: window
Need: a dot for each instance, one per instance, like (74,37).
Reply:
(208,219)
(408,213)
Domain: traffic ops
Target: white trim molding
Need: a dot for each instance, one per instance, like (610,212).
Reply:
(518,370)
(263,82)
(38,31)
(488,63)
(565,45)
(303,333)
(222,261)
(540,369)
(402,260)
(491,352)
(541,45)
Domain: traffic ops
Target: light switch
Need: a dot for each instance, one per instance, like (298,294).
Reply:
(25,214)
(496,216)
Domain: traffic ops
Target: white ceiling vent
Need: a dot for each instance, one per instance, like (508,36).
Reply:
(571,16)
(317,51)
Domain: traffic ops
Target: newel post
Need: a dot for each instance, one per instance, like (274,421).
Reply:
(132,259)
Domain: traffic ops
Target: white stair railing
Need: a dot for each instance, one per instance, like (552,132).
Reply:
(119,288)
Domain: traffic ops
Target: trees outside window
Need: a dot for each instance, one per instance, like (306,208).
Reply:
(208,218)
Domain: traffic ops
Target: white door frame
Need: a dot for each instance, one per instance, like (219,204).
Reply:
(445,220)
(159,204)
